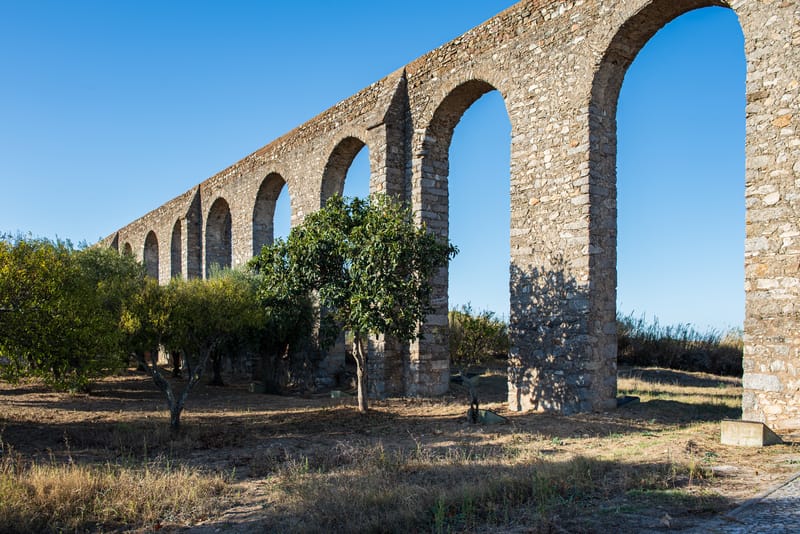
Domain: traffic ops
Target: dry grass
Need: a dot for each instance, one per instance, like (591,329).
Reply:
(284,464)
(648,343)
(55,497)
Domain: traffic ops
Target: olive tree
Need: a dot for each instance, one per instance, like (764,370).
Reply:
(192,317)
(370,267)
(476,337)
(60,309)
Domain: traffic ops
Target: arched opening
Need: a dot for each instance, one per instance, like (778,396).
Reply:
(336,171)
(175,253)
(127,249)
(282,218)
(654,164)
(357,180)
(680,167)
(218,236)
(265,210)
(479,198)
(479,208)
(151,255)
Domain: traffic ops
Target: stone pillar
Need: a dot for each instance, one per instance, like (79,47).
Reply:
(192,250)
(387,142)
(772,244)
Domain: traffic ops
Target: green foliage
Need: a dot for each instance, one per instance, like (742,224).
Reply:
(60,309)
(194,318)
(476,338)
(204,314)
(287,343)
(368,264)
(643,343)
(285,298)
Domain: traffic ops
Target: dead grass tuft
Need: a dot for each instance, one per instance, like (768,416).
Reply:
(53,497)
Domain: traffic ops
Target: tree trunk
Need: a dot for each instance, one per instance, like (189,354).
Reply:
(216,366)
(175,410)
(175,404)
(270,373)
(361,372)
(176,364)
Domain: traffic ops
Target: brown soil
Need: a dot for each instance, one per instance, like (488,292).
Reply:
(249,435)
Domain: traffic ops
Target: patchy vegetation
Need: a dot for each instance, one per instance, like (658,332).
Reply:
(651,344)
(291,464)
(48,496)
(476,338)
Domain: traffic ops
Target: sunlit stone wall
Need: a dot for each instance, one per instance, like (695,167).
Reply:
(559,67)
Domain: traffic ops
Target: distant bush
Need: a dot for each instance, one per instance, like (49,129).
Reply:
(476,337)
(644,343)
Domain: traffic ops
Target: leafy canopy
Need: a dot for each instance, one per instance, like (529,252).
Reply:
(60,310)
(368,264)
(368,261)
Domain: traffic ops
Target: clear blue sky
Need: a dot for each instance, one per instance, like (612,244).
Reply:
(109,109)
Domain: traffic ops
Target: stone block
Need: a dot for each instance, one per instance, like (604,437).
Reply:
(748,434)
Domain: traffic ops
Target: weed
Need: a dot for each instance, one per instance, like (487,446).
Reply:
(439,516)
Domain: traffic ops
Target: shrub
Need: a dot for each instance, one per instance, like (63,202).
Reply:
(643,343)
(476,338)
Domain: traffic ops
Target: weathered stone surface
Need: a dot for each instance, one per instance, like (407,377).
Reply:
(559,66)
(747,434)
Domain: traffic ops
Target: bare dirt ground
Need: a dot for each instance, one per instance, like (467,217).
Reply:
(250,435)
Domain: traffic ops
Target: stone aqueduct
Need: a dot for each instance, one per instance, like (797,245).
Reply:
(559,66)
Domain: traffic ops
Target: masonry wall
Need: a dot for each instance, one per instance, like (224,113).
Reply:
(559,67)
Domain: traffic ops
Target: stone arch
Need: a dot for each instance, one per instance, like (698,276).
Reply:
(620,51)
(127,249)
(264,210)
(431,201)
(436,151)
(219,249)
(150,254)
(339,162)
(176,251)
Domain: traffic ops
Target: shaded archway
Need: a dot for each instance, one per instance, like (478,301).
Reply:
(339,162)
(151,255)
(218,236)
(176,251)
(272,188)
(127,249)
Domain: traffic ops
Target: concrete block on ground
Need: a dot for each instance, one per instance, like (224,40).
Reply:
(748,434)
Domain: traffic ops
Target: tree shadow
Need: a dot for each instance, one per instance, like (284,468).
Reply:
(558,361)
